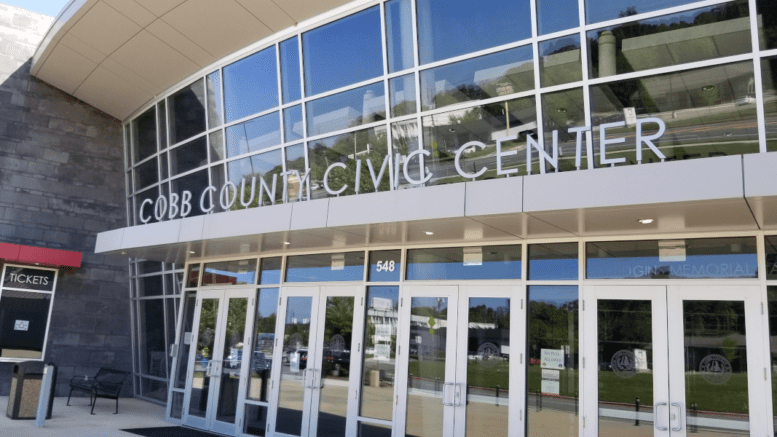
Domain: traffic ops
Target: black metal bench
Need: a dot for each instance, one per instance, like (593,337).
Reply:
(106,384)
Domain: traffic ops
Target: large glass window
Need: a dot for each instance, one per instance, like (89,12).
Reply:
(264,338)
(402,95)
(771,257)
(553,326)
(380,344)
(348,109)
(553,261)
(347,149)
(343,52)
(251,85)
(448,28)
(194,183)
(242,272)
(691,36)
(672,259)
(293,128)
(769,81)
(290,77)
(215,106)
(265,166)
(325,267)
(560,61)
(486,262)
(189,156)
(187,112)
(707,112)
(494,75)
(146,174)
(254,135)
(772,296)
(144,135)
(399,35)
(562,111)
(447,132)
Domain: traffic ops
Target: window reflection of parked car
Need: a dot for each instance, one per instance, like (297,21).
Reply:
(234,358)
(261,362)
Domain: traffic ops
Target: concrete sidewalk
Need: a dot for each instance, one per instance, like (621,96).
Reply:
(75,420)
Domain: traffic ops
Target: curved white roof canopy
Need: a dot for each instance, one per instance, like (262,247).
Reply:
(118,55)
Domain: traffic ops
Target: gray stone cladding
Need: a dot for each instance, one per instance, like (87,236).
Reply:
(61,182)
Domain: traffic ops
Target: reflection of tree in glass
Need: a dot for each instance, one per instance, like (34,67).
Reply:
(347,148)
(551,326)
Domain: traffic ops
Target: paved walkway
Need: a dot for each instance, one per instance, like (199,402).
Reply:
(75,420)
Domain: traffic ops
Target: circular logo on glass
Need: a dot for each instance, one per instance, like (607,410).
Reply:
(337,343)
(624,363)
(715,369)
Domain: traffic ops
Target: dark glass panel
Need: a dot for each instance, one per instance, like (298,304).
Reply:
(152,338)
(560,61)
(149,267)
(344,52)
(161,124)
(707,112)
(254,135)
(597,10)
(149,286)
(255,420)
(176,410)
(446,133)
(399,35)
(553,261)
(485,77)
(402,95)
(215,105)
(144,135)
(672,259)
(767,23)
(187,112)
(553,325)
(270,271)
(385,266)
(290,77)
(450,28)
(347,109)
(230,273)
(487,262)
(769,80)
(193,277)
(556,15)
(195,183)
(146,174)
(771,257)
(251,85)
(772,296)
(380,341)
(153,389)
(148,211)
(325,267)
(373,430)
(185,340)
(189,156)
(346,149)
(691,36)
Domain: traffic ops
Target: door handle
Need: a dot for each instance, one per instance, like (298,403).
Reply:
(208,368)
(312,378)
(657,416)
(445,391)
(679,417)
(457,395)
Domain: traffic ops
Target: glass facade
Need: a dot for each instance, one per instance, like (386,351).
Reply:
(683,82)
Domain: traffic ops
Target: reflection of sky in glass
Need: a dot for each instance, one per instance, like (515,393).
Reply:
(298,307)
(259,165)
(253,135)
(309,268)
(347,109)
(457,270)
(490,302)
(556,15)
(251,85)
(292,123)
(556,295)
(399,34)
(290,78)
(602,10)
(548,269)
(343,52)
(391,293)
(695,266)
(270,271)
(448,28)
(268,302)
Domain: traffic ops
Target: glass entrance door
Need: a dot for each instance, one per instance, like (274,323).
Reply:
(461,356)
(217,369)
(674,360)
(321,333)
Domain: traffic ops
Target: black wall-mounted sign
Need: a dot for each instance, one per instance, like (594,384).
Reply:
(25,278)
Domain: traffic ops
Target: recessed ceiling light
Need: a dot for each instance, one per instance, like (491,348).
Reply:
(451,130)
(192,252)
(708,88)
(429,233)
(646,221)
(123,253)
(286,242)
(561,110)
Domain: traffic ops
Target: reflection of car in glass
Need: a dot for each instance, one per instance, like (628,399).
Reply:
(261,362)
(233,360)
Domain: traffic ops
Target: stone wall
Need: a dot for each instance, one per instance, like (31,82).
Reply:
(61,182)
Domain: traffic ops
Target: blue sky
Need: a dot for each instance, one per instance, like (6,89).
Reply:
(46,7)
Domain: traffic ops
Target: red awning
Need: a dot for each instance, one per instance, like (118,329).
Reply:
(40,255)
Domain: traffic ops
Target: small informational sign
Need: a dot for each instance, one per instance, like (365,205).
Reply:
(505,349)
(187,338)
(338,261)
(671,250)
(630,115)
(28,279)
(383,351)
(550,387)
(381,303)
(21,325)
(550,374)
(552,358)
(383,330)
(640,355)
(473,256)
(294,362)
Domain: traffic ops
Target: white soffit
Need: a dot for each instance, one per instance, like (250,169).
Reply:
(117,55)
